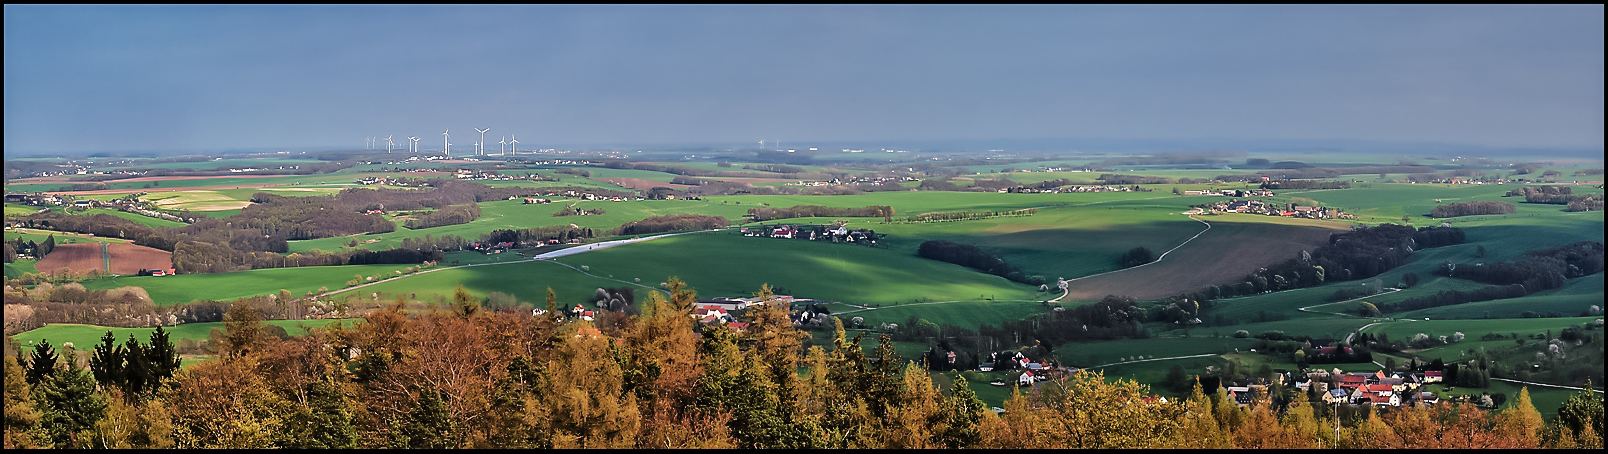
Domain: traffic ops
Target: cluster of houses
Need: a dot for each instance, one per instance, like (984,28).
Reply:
(835,234)
(491,248)
(1269,209)
(715,311)
(34,199)
(1074,188)
(1232,192)
(1372,388)
(587,196)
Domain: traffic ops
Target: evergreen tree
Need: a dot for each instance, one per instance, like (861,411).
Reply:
(50,245)
(138,377)
(41,363)
(70,405)
(161,357)
(1582,415)
(962,414)
(106,362)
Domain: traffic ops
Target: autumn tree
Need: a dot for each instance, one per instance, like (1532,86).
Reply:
(1580,419)
(244,330)
(22,416)
(1091,413)
(225,404)
(132,424)
(1521,422)
(1199,428)
(587,403)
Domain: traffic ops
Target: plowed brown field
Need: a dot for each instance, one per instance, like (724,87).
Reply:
(129,258)
(1224,254)
(126,258)
(78,257)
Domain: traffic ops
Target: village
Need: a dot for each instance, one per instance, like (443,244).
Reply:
(834,233)
(1289,210)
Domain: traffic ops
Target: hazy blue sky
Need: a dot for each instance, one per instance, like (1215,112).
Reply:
(126,78)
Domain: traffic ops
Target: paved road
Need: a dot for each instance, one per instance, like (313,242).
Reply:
(1544,384)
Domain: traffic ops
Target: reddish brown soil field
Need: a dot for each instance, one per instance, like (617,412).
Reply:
(129,258)
(642,184)
(1224,254)
(78,257)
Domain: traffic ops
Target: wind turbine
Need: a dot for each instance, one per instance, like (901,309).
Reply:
(482,139)
(388,144)
(444,144)
(413,144)
(762,143)
(502,150)
(515,142)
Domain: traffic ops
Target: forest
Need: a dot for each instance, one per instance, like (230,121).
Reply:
(1473,208)
(466,377)
(451,215)
(672,222)
(973,257)
(761,214)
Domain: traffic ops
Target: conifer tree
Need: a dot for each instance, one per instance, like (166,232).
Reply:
(1521,421)
(106,362)
(70,405)
(161,358)
(41,362)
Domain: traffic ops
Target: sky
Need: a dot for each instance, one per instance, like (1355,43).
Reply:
(215,78)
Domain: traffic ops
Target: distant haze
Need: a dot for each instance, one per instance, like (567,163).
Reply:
(84,79)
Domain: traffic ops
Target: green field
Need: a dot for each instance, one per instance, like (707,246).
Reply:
(13,209)
(84,337)
(184,288)
(514,214)
(142,219)
(728,264)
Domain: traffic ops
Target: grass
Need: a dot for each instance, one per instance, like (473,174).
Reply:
(727,264)
(228,286)
(13,209)
(142,219)
(85,337)
(40,235)
(514,214)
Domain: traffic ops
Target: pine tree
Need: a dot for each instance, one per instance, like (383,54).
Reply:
(962,414)
(138,376)
(1521,421)
(161,357)
(1200,429)
(1582,415)
(106,362)
(41,363)
(70,405)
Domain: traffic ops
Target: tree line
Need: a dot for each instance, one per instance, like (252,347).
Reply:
(1472,208)
(1359,254)
(1305,184)
(761,214)
(963,215)
(1537,270)
(468,377)
(973,257)
(450,215)
(671,223)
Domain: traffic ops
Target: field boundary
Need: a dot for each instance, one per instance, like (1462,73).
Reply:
(1157,260)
